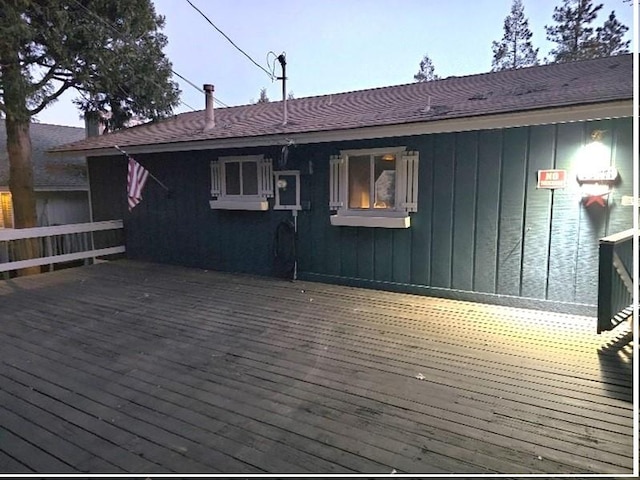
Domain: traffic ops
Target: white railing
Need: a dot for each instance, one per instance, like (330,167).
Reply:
(62,243)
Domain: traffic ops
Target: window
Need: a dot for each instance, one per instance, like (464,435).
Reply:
(241,183)
(6,210)
(373,188)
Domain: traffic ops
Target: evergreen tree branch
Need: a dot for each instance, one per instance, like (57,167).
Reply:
(47,99)
(50,75)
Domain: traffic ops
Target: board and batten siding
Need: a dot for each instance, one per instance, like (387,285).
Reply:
(482,232)
(179,227)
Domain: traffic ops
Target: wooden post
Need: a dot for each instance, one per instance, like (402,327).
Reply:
(605,279)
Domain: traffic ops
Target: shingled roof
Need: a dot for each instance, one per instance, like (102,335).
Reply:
(542,87)
(68,172)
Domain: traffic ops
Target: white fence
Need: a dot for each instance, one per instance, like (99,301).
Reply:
(63,243)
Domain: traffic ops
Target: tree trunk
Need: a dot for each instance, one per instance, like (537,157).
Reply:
(21,173)
(19,151)
(21,187)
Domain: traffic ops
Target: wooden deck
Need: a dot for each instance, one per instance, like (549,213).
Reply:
(133,367)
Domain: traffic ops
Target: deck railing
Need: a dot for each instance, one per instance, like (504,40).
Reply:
(34,247)
(615,283)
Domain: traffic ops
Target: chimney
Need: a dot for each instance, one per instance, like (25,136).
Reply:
(209,120)
(92,124)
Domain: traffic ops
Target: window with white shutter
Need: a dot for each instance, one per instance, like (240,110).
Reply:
(241,183)
(374,187)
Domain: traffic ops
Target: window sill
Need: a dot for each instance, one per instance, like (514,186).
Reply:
(372,222)
(256,205)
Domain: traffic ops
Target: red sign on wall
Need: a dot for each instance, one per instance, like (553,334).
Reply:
(552,178)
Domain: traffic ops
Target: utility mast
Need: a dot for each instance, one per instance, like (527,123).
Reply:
(283,63)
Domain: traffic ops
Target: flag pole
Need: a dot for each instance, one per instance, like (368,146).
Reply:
(150,174)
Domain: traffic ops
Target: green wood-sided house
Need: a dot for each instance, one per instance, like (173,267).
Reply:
(470,187)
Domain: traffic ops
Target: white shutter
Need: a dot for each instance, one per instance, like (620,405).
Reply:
(216,186)
(265,178)
(407,181)
(336,182)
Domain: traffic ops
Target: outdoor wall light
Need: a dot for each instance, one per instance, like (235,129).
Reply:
(595,175)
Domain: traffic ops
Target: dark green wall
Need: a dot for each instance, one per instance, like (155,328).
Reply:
(482,231)
(180,227)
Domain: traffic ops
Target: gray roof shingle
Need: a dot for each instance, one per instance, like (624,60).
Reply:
(532,88)
(66,172)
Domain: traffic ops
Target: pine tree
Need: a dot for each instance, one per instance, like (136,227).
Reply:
(609,37)
(110,51)
(263,96)
(515,49)
(574,37)
(427,71)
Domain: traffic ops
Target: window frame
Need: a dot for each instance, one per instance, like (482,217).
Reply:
(7,219)
(264,183)
(371,153)
(396,217)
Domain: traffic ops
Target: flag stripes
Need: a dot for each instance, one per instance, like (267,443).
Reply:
(136,178)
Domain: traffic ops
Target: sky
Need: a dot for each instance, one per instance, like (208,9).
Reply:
(332,46)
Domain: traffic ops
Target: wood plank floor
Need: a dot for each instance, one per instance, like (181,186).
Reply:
(129,367)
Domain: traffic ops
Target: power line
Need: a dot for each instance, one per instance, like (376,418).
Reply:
(231,41)
(188,106)
(121,35)
(180,100)
(194,86)
(187,80)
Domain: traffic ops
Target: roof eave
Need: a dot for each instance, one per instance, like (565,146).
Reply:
(564,114)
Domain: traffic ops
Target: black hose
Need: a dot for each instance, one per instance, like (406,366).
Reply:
(284,249)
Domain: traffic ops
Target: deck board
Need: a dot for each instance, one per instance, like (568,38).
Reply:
(149,368)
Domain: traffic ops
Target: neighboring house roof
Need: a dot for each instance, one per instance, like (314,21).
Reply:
(63,172)
(526,90)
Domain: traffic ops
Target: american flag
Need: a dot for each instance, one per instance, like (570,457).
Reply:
(136,179)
